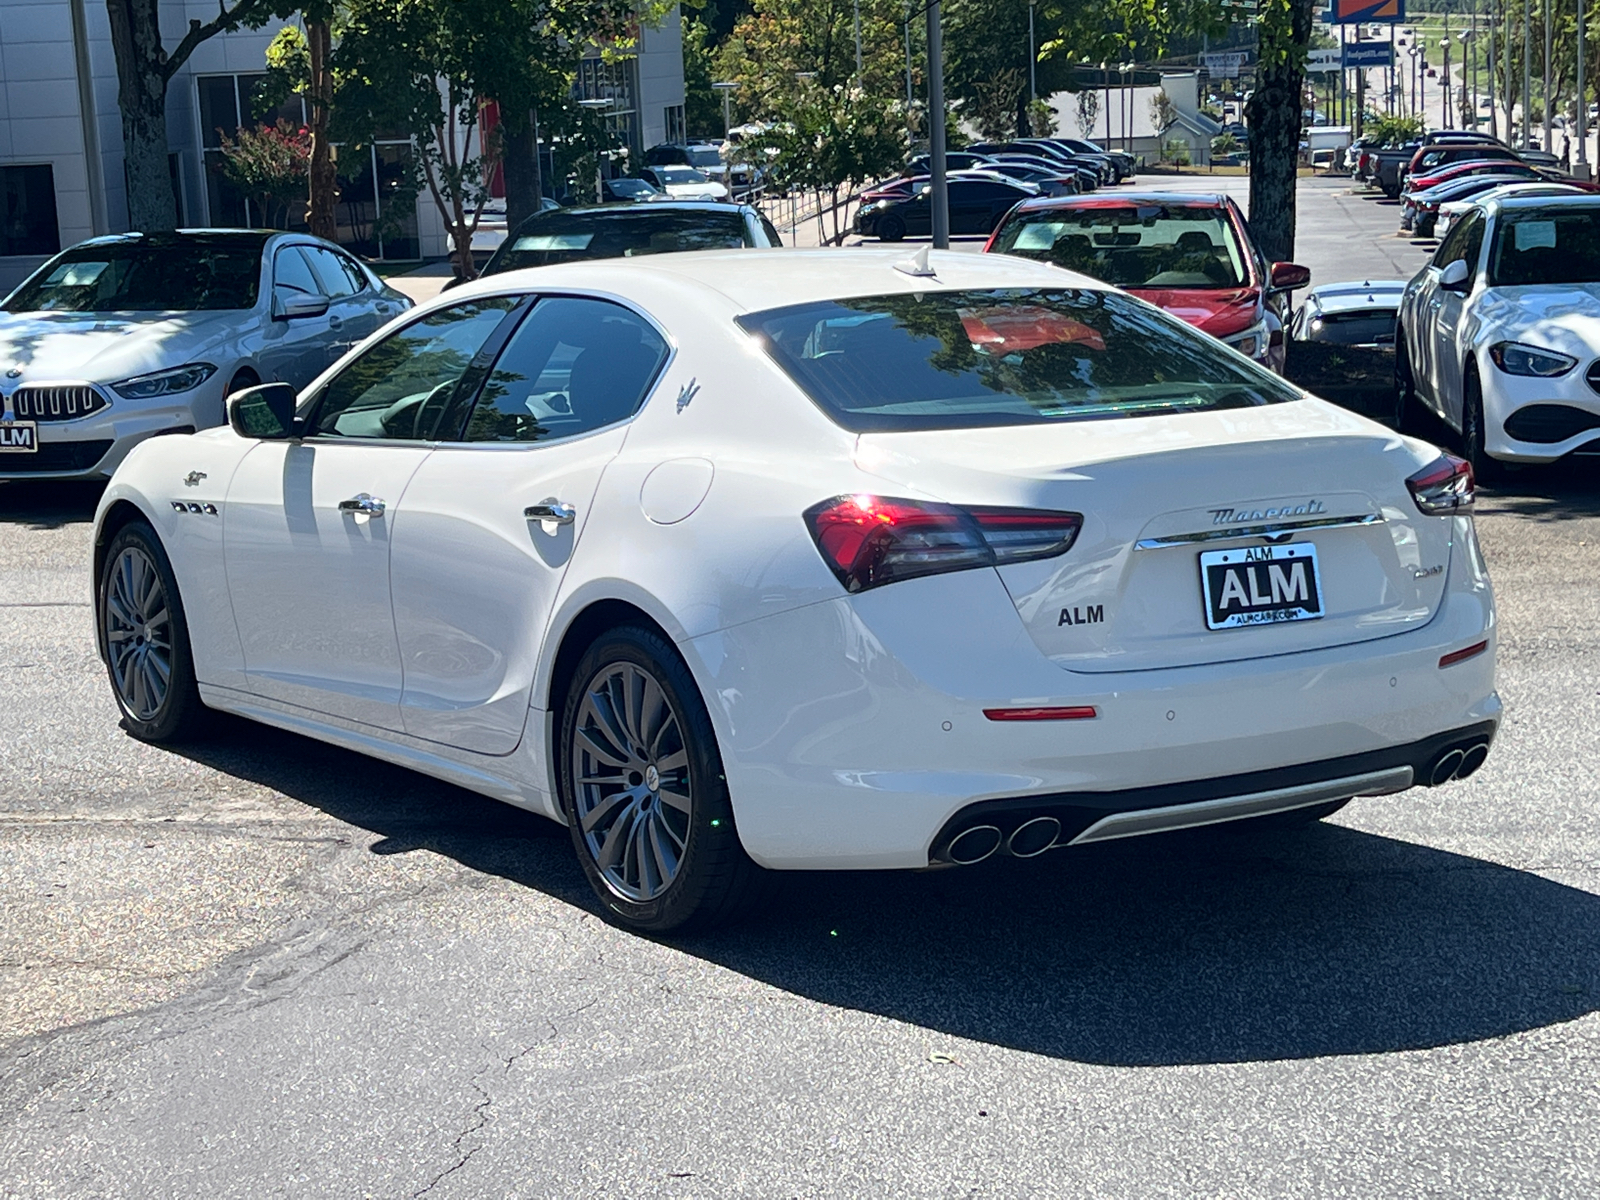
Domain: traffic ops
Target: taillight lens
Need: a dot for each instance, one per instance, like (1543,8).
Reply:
(1444,486)
(872,540)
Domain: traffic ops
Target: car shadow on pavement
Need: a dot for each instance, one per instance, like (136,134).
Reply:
(48,505)
(1225,945)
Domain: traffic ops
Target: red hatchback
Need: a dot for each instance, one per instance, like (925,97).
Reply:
(1189,254)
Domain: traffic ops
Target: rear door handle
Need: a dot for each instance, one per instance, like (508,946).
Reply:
(363,505)
(558,511)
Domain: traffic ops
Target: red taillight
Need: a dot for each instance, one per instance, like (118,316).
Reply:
(1455,656)
(1444,486)
(1082,712)
(873,540)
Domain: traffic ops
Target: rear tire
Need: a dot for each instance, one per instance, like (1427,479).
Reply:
(644,793)
(145,638)
(891,229)
(1485,468)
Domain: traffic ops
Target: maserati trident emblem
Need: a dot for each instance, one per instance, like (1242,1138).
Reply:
(1238,516)
(688,392)
(193,478)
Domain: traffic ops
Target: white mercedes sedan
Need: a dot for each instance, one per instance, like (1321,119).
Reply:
(1500,333)
(122,338)
(750,560)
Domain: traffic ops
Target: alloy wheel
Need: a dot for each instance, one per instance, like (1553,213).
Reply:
(138,628)
(633,794)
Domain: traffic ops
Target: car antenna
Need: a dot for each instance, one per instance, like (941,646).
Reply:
(916,265)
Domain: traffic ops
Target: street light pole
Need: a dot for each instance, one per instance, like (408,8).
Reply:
(1444,91)
(858,37)
(1549,46)
(1583,95)
(938,191)
(727,119)
(1527,72)
(1033,84)
(1494,106)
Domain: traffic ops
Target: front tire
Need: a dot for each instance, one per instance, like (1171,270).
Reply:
(1473,434)
(145,637)
(644,792)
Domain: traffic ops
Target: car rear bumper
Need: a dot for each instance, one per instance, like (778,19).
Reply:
(854,730)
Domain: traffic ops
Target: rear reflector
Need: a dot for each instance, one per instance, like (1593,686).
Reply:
(1455,656)
(1083,713)
(872,540)
(1444,486)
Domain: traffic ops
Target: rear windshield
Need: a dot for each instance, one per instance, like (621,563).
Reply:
(1546,246)
(565,237)
(1363,327)
(145,277)
(977,359)
(1133,246)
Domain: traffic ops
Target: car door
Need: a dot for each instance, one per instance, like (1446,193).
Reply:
(491,520)
(294,349)
(1448,320)
(1443,315)
(306,525)
(970,201)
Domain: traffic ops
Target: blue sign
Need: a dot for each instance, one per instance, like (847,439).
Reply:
(1368,54)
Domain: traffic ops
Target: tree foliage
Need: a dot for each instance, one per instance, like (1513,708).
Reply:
(270,165)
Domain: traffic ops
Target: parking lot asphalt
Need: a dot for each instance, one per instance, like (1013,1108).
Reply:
(263,966)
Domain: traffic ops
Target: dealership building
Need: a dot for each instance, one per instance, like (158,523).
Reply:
(61,158)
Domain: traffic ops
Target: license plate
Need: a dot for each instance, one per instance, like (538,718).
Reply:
(19,437)
(1261,585)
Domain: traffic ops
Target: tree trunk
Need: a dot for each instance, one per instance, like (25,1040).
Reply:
(1274,115)
(142,96)
(324,178)
(520,166)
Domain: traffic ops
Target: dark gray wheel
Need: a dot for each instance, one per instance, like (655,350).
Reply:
(146,639)
(643,789)
(891,228)
(1485,468)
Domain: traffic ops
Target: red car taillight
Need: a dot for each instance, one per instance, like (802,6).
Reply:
(1444,486)
(873,540)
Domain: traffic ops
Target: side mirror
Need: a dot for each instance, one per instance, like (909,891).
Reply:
(1286,276)
(288,308)
(1454,276)
(265,411)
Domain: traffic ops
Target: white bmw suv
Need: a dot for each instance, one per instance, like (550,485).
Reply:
(1500,334)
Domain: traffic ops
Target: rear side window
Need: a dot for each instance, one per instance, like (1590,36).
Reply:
(572,366)
(978,359)
(1544,246)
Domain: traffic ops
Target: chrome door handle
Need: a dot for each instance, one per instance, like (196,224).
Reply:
(362,505)
(558,511)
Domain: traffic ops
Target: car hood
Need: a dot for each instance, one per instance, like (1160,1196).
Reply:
(1564,317)
(1219,311)
(105,347)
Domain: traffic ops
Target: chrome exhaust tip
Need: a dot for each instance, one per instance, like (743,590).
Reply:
(973,845)
(1472,759)
(1444,769)
(1033,838)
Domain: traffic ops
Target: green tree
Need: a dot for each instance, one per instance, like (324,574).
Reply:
(1274,113)
(702,107)
(270,165)
(144,69)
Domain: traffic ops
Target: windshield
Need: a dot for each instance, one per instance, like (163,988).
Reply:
(1551,245)
(680,175)
(622,233)
(631,187)
(163,275)
(1015,356)
(704,156)
(1133,246)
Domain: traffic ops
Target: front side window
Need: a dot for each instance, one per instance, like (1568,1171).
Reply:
(1456,246)
(1546,246)
(1014,356)
(401,387)
(171,273)
(572,366)
(292,277)
(1133,245)
(337,282)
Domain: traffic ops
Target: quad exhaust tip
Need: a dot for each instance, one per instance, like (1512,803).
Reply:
(973,845)
(1458,763)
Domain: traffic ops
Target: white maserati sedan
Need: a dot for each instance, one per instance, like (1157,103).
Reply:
(734,561)
(1500,333)
(123,338)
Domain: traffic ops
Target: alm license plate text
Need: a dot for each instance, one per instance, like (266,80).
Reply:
(1261,585)
(18,437)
